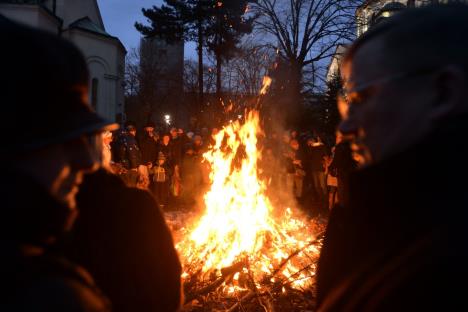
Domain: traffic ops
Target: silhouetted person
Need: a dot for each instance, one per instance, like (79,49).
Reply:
(121,237)
(129,155)
(315,153)
(162,175)
(342,166)
(400,242)
(149,145)
(56,138)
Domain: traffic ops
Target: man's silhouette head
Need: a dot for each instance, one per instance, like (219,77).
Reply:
(403,78)
(44,96)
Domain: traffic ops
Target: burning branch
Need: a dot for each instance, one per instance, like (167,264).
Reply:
(295,253)
(244,299)
(225,274)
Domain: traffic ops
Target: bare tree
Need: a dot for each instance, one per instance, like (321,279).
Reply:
(132,72)
(209,73)
(306,33)
(250,65)
(190,76)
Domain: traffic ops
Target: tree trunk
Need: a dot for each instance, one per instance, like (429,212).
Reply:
(295,88)
(200,66)
(218,76)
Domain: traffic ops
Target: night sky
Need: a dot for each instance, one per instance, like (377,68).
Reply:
(120,15)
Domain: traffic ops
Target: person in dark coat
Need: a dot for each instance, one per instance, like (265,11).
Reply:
(316,152)
(122,238)
(130,156)
(130,152)
(177,144)
(149,145)
(342,166)
(295,173)
(400,242)
(165,147)
(191,175)
(43,91)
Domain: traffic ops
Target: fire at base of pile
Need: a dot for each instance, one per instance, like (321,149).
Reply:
(243,254)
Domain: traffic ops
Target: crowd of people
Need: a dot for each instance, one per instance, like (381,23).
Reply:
(171,165)
(396,240)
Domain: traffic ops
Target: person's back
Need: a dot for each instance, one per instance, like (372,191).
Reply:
(191,177)
(122,239)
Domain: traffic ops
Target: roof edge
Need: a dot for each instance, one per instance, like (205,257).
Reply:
(116,39)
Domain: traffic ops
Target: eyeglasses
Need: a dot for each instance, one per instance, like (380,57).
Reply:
(350,100)
(360,93)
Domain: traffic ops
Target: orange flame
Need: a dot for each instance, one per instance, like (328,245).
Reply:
(240,223)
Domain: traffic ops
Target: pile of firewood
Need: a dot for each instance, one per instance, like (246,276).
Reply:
(236,288)
(272,293)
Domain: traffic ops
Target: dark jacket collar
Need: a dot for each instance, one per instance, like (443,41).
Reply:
(416,190)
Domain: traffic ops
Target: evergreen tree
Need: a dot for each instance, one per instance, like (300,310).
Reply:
(218,24)
(228,24)
(330,116)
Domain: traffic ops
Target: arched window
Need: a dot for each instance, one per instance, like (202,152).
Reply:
(94,92)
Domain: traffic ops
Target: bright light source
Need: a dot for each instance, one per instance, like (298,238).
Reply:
(167,118)
(239,116)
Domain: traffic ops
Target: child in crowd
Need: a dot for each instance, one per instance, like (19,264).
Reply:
(161,181)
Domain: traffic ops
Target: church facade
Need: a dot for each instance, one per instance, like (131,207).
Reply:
(81,23)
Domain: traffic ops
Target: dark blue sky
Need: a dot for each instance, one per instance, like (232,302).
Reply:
(120,15)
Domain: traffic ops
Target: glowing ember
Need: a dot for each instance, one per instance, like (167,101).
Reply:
(240,227)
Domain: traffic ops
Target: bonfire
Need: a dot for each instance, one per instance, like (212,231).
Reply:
(243,253)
